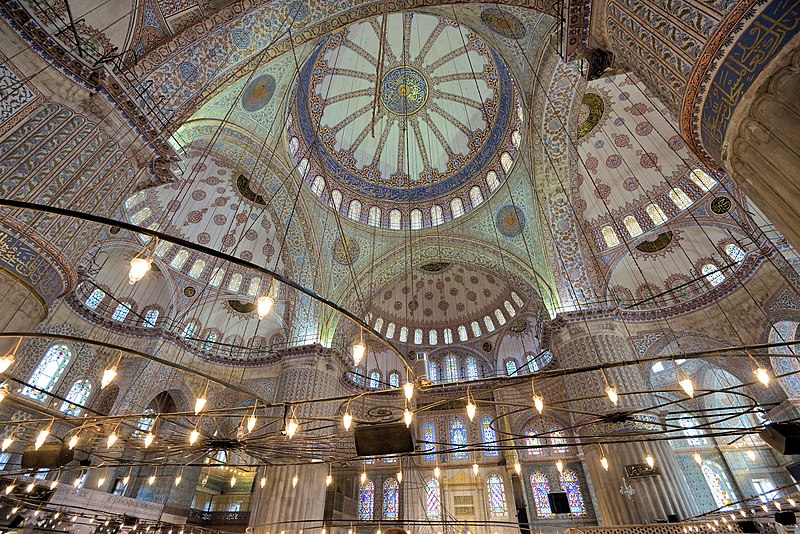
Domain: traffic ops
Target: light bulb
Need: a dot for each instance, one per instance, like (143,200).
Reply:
(199,404)
(53,484)
(408,415)
(233,481)
(14,510)
(76,482)
(9,488)
(650,460)
(791,502)
(518,468)
(139,268)
(30,487)
(347,420)
(437,471)
(151,480)
(399,476)
(251,423)
(329,480)
(101,481)
(363,476)
(7,443)
(263,481)
(112,439)
(108,376)
(3,394)
(126,480)
(359,349)
(6,362)
(697,458)
(148,439)
(295,479)
(73,441)
(612,395)
(742,512)
(40,438)
(475,469)
(604,462)
(291,427)
(178,480)
(408,389)
(687,386)
(264,305)
(777,505)
(560,466)
(538,403)
(471,408)
(762,375)
(193,435)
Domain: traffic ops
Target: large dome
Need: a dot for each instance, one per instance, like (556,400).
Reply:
(440,139)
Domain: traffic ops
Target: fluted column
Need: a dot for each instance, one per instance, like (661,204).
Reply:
(657,496)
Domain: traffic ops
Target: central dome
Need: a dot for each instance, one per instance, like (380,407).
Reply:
(440,139)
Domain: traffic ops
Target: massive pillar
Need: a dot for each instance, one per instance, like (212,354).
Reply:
(625,442)
(308,373)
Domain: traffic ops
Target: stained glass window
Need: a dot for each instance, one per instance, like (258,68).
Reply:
(48,372)
(433,337)
(254,286)
(235,283)
(374,379)
(394,379)
(403,334)
(121,312)
(95,299)
(197,268)
(458,438)
(679,198)
(487,321)
(390,330)
(433,499)
(437,215)
(475,196)
(131,201)
(476,329)
(180,259)
(532,443)
(734,252)
(610,236)
(416,219)
(712,274)
(702,179)
(429,437)
(395,219)
(141,215)
(718,483)
(211,338)
(163,248)
(355,210)
(374,217)
(450,368)
(366,500)
(433,371)
(511,367)
(506,161)
(500,317)
(559,442)
(492,181)
(302,167)
(540,487)
(471,368)
(318,186)
(189,329)
(216,276)
(497,496)
(693,435)
(489,437)
(391,499)
(462,333)
(77,397)
(448,336)
(418,336)
(336,198)
(145,423)
(656,214)
(517,299)
(632,225)
(151,317)
(569,481)
(456,207)
(509,308)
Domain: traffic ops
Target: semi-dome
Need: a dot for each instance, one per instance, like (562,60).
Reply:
(440,138)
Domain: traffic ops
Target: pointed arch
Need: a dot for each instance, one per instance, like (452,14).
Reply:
(391,499)
(366,500)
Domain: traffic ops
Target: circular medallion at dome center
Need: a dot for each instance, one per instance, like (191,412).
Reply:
(404,90)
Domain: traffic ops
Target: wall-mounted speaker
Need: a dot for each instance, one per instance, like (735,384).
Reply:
(786,517)
(783,437)
(48,456)
(379,440)
(748,527)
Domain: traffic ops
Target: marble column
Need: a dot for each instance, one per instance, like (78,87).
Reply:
(625,443)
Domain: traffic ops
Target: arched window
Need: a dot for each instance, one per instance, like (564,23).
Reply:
(216,276)
(559,442)
(254,286)
(451,368)
(145,423)
(366,500)
(374,216)
(734,252)
(180,259)
(418,336)
(391,499)
(429,439)
(475,196)
(403,334)
(76,398)
(318,186)
(632,225)
(208,342)
(355,210)
(433,371)
(378,324)
(294,145)
(448,336)
(336,199)
(702,179)
(235,283)
(433,337)
(395,219)
(134,199)
(506,161)
(516,138)
(141,215)
(679,198)
(190,329)
(302,167)
(95,299)
(121,312)
(433,499)
(532,443)
(151,317)
(197,269)
(540,487)
(489,438)
(394,379)
(517,299)
(530,361)
(456,208)
(487,321)
(476,329)
(509,308)
(500,317)
(416,219)
(492,181)
(471,368)
(712,274)
(511,368)
(497,496)
(718,483)
(569,481)
(374,379)
(462,333)
(458,438)
(610,236)
(48,372)
(390,331)
(437,215)
(656,214)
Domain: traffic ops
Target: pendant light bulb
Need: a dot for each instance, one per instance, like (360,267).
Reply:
(3,394)
(359,349)
(560,466)
(199,404)
(148,439)
(73,441)
(263,481)
(139,268)
(112,439)
(408,389)
(612,395)
(762,375)
(193,435)
(264,305)
(41,438)
(518,468)
(347,420)
(687,386)
(538,403)
(328,480)
(437,471)
(7,443)
(108,376)
(291,427)
(363,476)
(399,476)
(30,487)
(295,480)
(408,415)
(475,469)
(697,458)
(777,505)
(9,488)
(101,481)
(791,502)
(604,462)
(6,362)
(650,460)
(471,409)
(233,481)
(251,423)
(151,480)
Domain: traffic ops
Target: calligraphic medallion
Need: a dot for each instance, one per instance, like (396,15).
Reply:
(404,90)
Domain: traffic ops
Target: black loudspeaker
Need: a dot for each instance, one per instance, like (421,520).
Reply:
(785,518)
(16,521)
(748,527)
(48,456)
(558,502)
(783,437)
(129,520)
(379,440)
(673,518)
